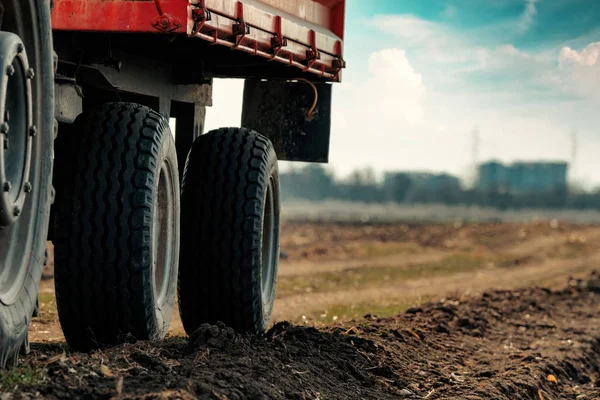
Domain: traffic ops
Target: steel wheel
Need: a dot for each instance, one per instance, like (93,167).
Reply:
(26,137)
(15,160)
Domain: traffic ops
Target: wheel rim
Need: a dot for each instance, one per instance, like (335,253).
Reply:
(15,123)
(20,171)
(163,232)
(269,244)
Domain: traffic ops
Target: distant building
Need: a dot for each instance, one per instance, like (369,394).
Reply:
(522,177)
(492,176)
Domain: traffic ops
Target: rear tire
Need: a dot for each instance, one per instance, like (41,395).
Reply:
(25,164)
(230,231)
(117,229)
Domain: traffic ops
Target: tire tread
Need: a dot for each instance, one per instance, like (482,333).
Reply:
(222,193)
(103,238)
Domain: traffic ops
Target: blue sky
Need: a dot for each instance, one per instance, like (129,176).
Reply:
(551,22)
(423,75)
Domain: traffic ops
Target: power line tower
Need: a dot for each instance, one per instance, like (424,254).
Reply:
(574,148)
(476,140)
(475,137)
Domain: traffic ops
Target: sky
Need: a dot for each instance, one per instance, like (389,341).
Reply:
(438,85)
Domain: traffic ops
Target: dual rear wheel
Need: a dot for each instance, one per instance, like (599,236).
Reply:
(126,234)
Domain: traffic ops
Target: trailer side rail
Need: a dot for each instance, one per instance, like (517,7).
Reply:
(297,33)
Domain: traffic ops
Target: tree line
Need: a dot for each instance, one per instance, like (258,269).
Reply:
(315,183)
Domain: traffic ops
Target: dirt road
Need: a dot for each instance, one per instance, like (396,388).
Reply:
(338,272)
(521,344)
(469,341)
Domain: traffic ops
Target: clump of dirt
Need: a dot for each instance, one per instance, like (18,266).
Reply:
(592,284)
(216,336)
(532,343)
(289,362)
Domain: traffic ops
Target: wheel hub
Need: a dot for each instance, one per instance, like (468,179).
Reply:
(162,236)
(16,127)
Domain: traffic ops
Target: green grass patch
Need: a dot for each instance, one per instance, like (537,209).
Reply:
(48,311)
(572,249)
(47,298)
(346,312)
(22,376)
(371,276)
(390,249)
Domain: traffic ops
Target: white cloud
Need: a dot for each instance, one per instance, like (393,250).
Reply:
(395,89)
(527,17)
(580,70)
(427,42)
(415,31)
(381,121)
(586,57)
(511,61)
(503,56)
(450,11)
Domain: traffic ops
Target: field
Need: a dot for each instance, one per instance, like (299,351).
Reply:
(343,211)
(370,310)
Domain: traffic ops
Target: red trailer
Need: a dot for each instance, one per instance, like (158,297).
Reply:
(139,214)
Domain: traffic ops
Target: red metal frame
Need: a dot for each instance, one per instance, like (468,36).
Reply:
(306,34)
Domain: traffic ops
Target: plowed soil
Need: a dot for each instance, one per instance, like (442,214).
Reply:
(508,311)
(521,344)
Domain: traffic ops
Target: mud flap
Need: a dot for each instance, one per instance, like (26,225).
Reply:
(283,111)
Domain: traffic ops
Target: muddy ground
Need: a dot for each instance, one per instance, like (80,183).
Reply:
(388,311)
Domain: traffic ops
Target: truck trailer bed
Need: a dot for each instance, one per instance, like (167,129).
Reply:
(303,34)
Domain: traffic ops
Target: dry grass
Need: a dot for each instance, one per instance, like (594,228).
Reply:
(369,276)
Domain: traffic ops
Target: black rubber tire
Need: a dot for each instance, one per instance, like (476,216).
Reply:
(227,177)
(22,244)
(106,230)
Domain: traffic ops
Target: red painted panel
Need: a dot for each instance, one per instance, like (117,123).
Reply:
(306,34)
(116,16)
(338,19)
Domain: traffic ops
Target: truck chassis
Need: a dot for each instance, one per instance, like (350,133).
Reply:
(140,215)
